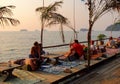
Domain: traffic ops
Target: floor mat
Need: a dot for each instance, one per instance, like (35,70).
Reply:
(61,67)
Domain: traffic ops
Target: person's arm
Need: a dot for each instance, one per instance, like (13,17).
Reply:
(71,51)
(107,44)
(32,52)
(39,53)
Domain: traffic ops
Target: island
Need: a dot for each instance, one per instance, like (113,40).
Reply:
(114,27)
(83,29)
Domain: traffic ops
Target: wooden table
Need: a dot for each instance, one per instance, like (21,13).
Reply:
(7,70)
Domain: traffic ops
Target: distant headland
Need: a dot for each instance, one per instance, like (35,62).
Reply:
(114,27)
(84,29)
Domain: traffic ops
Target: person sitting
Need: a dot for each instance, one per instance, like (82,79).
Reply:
(31,63)
(102,47)
(111,43)
(42,52)
(78,48)
(93,48)
(75,52)
(118,42)
(35,51)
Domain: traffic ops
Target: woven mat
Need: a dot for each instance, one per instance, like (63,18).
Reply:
(59,68)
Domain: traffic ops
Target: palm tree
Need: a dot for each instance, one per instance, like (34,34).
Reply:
(5,16)
(49,16)
(59,19)
(45,15)
(98,8)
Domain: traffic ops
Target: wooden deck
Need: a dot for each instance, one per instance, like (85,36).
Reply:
(63,77)
(106,74)
(66,77)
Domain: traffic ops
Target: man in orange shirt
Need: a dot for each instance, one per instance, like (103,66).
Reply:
(78,48)
(75,52)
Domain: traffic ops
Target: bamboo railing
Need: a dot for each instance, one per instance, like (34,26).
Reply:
(68,44)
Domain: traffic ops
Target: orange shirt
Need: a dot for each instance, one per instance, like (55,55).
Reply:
(78,48)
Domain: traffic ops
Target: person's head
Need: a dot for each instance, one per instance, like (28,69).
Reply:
(101,42)
(92,42)
(76,41)
(110,38)
(40,44)
(35,43)
(119,37)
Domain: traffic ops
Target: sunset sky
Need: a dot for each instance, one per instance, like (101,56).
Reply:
(25,13)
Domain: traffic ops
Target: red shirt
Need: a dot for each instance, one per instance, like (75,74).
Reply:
(78,48)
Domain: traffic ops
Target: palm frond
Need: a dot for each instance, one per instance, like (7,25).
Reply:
(101,7)
(11,6)
(8,21)
(116,5)
(40,9)
(54,7)
(6,10)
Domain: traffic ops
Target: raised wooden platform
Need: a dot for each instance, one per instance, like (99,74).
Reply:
(63,77)
(108,73)
(76,71)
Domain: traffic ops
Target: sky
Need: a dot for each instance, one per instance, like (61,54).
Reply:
(29,19)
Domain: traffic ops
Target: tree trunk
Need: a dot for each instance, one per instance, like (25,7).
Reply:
(42,28)
(89,32)
(89,40)
(62,33)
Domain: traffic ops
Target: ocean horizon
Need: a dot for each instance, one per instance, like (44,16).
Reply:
(17,44)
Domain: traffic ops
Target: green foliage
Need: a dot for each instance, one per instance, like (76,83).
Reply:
(101,36)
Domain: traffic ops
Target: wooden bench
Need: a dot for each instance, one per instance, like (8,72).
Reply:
(7,70)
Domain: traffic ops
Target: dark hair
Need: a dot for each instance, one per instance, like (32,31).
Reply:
(92,42)
(35,43)
(76,41)
(110,38)
(40,44)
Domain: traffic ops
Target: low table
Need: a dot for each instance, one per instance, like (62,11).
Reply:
(7,70)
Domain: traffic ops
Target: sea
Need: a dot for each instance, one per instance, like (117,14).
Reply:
(17,44)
